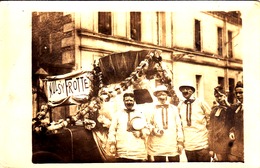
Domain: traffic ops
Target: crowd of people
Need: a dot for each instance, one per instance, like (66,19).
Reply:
(204,133)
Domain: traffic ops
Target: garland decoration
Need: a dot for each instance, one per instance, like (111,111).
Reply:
(150,68)
(163,78)
(97,78)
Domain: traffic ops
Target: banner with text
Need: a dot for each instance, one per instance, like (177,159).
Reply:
(70,88)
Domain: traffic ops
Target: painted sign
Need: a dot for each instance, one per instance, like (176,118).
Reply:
(71,88)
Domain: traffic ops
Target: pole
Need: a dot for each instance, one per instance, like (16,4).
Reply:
(225,53)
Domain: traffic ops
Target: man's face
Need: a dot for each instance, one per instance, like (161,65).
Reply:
(162,97)
(186,92)
(129,102)
(239,94)
(220,98)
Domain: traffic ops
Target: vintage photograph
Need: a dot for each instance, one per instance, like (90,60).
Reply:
(137,87)
(112,84)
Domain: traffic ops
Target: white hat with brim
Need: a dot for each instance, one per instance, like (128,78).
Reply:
(187,84)
(160,88)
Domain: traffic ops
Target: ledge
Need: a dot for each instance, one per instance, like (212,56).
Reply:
(210,63)
(121,40)
(143,45)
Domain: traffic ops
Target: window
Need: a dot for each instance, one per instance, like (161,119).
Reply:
(220,41)
(221,81)
(135,25)
(161,28)
(104,23)
(230,45)
(198,80)
(197,35)
(44,44)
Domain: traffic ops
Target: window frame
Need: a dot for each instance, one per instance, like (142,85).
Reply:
(197,35)
(105,23)
(230,44)
(221,81)
(220,40)
(161,26)
(198,84)
(135,26)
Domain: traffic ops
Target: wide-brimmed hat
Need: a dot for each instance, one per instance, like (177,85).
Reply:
(187,84)
(239,84)
(219,90)
(160,88)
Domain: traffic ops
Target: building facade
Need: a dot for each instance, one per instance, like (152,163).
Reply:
(202,47)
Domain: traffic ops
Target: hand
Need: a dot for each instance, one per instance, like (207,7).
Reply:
(227,103)
(158,132)
(145,132)
(225,100)
(112,149)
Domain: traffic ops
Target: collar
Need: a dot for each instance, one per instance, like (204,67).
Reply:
(162,105)
(221,106)
(129,110)
(189,101)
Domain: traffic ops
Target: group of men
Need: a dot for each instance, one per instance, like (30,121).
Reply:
(160,135)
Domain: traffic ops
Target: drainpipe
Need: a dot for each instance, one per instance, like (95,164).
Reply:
(80,43)
(225,53)
(158,28)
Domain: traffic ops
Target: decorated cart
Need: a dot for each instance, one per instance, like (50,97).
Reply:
(82,137)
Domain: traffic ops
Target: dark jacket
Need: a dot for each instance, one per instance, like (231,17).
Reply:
(219,130)
(237,127)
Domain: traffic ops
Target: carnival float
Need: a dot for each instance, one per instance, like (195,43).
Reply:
(82,137)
